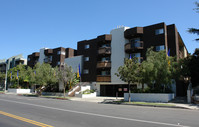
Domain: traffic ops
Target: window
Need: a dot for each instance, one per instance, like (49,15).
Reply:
(105,45)
(159,31)
(28,59)
(86,58)
(58,63)
(86,71)
(135,40)
(105,59)
(63,52)
(136,55)
(159,48)
(105,73)
(87,46)
(51,58)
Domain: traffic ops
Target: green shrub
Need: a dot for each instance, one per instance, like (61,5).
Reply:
(87,91)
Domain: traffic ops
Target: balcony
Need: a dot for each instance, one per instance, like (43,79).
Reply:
(104,51)
(103,78)
(133,32)
(133,47)
(103,64)
(104,38)
(48,52)
(36,54)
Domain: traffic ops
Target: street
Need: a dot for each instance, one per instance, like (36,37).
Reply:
(20,111)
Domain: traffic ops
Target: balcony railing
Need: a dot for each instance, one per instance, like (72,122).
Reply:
(103,78)
(133,32)
(36,54)
(133,47)
(103,64)
(48,52)
(104,50)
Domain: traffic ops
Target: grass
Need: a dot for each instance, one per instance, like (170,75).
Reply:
(1,91)
(146,103)
(56,97)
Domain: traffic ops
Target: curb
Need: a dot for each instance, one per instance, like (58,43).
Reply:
(43,97)
(55,98)
(145,105)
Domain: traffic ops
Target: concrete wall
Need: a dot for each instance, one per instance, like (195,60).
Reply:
(83,88)
(42,56)
(117,52)
(21,91)
(74,62)
(86,95)
(149,97)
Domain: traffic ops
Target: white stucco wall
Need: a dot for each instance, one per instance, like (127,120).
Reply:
(22,91)
(117,52)
(74,62)
(149,97)
(42,55)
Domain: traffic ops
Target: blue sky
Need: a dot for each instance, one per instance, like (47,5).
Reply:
(28,25)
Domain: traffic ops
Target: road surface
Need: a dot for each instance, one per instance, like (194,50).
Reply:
(20,111)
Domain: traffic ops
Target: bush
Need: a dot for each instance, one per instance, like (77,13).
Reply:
(87,91)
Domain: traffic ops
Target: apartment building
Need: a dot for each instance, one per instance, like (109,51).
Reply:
(103,55)
(55,57)
(12,62)
(3,65)
(100,58)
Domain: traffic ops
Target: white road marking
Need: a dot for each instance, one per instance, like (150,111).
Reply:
(99,115)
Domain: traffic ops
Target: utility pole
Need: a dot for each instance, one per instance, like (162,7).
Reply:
(5,78)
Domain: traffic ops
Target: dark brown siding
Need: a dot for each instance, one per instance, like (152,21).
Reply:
(58,57)
(33,59)
(172,39)
(70,52)
(92,53)
(151,39)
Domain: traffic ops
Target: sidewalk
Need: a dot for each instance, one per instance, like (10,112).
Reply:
(112,100)
(96,99)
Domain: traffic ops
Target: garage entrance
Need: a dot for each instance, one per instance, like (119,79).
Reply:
(112,90)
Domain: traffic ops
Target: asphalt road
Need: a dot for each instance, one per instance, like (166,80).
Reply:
(64,113)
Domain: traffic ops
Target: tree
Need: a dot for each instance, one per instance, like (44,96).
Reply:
(2,78)
(190,68)
(129,72)
(16,76)
(44,75)
(195,30)
(146,74)
(75,81)
(158,70)
(65,76)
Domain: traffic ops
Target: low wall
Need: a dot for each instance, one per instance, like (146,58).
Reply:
(86,95)
(20,91)
(149,97)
